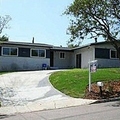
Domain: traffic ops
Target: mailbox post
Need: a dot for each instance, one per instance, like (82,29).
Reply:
(100,85)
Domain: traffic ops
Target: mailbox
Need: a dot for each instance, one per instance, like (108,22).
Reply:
(100,84)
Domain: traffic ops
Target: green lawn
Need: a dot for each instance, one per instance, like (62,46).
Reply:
(74,82)
(3,73)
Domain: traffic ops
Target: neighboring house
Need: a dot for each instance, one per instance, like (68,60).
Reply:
(31,56)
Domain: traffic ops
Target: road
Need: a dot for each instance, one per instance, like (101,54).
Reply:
(102,111)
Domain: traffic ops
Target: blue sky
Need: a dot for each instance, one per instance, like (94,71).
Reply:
(41,19)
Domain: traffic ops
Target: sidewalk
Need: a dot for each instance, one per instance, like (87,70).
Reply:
(44,105)
(32,91)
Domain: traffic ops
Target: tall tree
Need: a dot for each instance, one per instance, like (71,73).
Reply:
(4,22)
(95,18)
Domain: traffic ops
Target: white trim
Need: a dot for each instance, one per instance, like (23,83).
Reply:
(9,52)
(31,52)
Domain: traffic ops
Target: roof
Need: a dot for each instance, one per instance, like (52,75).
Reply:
(80,47)
(26,44)
(56,48)
(91,44)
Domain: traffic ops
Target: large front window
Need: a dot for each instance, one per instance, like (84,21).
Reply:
(9,51)
(102,53)
(37,53)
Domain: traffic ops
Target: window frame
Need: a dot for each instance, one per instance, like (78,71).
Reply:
(9,50)
(116,56)
(62,56)
(38,53)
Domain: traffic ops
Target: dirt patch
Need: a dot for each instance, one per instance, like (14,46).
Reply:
(109,90)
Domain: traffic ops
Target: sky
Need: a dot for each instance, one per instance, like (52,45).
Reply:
(41,19)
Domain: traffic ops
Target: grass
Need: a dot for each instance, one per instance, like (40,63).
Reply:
(74,82)
(1,73)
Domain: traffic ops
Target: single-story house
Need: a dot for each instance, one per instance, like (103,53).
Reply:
(32,56)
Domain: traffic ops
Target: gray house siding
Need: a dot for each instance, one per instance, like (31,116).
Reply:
(65,62)
(87,54)
(24,60)
(0,50)
(21,63)
(108,63)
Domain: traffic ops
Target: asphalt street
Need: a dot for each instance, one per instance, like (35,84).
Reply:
(101,111)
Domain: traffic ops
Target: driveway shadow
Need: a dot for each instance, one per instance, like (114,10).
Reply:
(53,92)
(5,116)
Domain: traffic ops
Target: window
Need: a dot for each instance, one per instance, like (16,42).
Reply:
(41,53)
(13,51)
(102,53)
(113,54)
(24,52)
(62,55)
(37,53)
(9,51)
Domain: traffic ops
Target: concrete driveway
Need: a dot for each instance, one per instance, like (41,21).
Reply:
(32,91)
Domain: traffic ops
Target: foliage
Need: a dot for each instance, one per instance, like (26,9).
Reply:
(95,18)
(72,45)
(74,82)
(3,22)
(4,38)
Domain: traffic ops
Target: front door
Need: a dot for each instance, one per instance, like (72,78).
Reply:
(51,59)
(78,61)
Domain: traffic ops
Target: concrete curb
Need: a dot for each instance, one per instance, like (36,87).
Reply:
(106,100)
(45,105)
